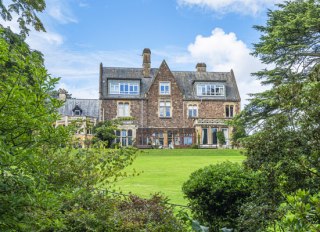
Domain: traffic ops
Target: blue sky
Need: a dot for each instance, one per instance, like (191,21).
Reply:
(83,33)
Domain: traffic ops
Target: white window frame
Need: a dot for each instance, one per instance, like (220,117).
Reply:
(164,108)
(167,88)
(123,109)
(192,111)
(229,111)
(124,88)
(206,89)
(124,137)
(77,113)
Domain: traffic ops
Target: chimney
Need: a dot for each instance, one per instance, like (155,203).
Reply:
(201,67)
(62,94)
(146,62)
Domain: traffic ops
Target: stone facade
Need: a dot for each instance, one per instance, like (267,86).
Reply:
(148,125)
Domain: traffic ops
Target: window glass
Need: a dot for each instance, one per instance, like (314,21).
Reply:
(123,109)
(192,111)
(164,88)
(229,111)
(124,88)
(165,109)
(77,113)
(187,140)
(210,90)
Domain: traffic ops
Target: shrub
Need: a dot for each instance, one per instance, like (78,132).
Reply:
(137,214)
(217,192)
(300,212)
(194,146)
(221,138)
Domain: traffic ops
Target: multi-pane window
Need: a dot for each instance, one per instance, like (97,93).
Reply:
(192,111)
(124,88)
(165,108)
(164,88)
(187,139)
(124,137)
(210,90)
(123,109)
(229,111)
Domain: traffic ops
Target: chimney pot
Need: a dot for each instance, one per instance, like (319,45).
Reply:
(201,67)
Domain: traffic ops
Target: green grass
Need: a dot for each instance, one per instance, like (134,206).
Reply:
(166,170)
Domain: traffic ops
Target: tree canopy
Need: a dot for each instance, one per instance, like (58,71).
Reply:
(284,120)
(26,11)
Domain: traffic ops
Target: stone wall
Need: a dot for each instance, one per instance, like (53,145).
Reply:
(175,97)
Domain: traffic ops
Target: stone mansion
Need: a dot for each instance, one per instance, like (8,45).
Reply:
(168,108)
(161,107)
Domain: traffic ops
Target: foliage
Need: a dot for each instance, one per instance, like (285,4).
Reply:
(284,120)
(301,212)
(55,93)
(194,146)
(27,114)
(217,192)
(221,138)
(291,37)
(26,13)
(238,134)
(154,214)
(105,131)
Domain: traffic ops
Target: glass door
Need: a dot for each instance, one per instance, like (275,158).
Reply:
(214,136)
(204,136)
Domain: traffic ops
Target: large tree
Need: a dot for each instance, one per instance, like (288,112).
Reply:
(285,120)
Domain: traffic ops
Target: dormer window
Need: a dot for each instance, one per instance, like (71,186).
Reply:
(164,88)
(206,89)
(123,88)
(77,111)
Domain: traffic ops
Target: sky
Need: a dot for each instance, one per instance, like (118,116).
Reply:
(81,34)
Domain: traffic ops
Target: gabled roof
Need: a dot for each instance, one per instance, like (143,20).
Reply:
(89,107)
(186,81)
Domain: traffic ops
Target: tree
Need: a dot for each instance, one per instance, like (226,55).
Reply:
(26,11)
(27,113)
(284,120)
(221,138)
(105,131)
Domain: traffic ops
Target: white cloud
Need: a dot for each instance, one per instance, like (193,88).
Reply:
(226,6)
(223,51)
(60,11)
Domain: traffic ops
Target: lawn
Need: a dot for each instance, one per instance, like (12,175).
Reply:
(166,170)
